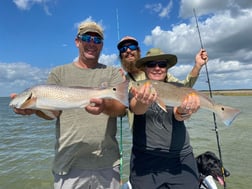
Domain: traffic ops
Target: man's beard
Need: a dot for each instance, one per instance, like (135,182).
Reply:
(130,67)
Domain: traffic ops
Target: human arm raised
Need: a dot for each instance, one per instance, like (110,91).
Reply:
(201,59)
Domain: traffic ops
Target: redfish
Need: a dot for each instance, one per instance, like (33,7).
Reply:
(55,97)
(172,95)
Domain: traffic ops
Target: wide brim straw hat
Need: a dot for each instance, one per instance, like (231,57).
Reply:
(155,54)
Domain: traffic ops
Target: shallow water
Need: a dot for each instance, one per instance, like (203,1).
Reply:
(27,145)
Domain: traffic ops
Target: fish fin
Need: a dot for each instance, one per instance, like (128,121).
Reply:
(121,92)
(45,114)
(29,103)
(161,104)
(163,108)
(227,114)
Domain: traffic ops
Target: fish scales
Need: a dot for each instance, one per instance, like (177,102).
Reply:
(55,97)
(173,94)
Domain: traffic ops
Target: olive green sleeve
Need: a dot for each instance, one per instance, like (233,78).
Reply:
(189,81)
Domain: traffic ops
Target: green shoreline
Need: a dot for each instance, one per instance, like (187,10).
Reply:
(239,92)
(234,92)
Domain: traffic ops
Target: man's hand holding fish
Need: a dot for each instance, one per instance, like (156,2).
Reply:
(101,105)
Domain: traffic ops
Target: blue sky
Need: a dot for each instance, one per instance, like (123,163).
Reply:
(36,35)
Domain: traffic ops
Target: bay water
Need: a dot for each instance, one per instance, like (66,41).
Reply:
(27,145)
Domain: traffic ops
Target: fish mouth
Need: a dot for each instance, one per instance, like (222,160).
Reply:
(22,103)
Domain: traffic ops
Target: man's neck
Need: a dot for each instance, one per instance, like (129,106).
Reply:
(85,65)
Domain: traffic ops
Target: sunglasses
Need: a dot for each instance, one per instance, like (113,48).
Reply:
(88,38)
(153,64)
(131,47)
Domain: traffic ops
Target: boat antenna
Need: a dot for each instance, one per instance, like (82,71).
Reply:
(117,24)
(211,95)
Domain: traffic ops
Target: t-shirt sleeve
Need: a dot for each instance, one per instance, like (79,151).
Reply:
(53,77)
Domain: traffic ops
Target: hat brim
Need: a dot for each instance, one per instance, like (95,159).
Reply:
(90,30)
(170,58)
(132,41)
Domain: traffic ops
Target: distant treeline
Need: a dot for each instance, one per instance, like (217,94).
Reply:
(234,92)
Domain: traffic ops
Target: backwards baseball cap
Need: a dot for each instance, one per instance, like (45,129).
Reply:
(155,54)
(90,26)
(127,39)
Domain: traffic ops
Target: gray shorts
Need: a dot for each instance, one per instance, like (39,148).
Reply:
(108,178)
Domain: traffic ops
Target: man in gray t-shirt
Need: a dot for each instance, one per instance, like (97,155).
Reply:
(86,150)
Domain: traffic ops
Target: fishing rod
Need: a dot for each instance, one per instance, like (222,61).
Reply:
(211,95)
(121,131)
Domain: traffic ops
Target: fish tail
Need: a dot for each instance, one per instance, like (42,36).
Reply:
(121,93)
(226,113)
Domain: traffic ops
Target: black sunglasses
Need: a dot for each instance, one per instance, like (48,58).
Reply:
(131,47)
(153,64)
